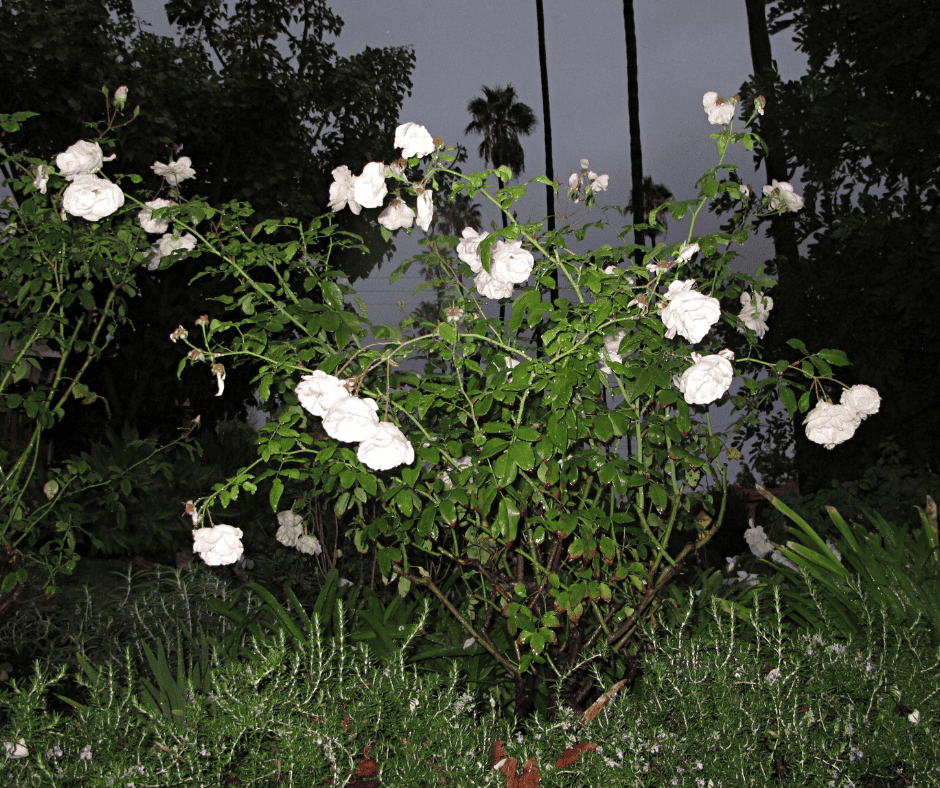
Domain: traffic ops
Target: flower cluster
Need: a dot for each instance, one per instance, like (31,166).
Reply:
(720,111)
(597,183)
(754,312)
(291,534)
(382,445)
(830,424)
(782,198)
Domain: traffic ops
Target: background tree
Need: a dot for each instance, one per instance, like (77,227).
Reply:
(654,195)
(546,126)
(633,111)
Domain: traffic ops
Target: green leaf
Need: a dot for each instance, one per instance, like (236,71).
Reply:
(522,455)
(448,333)
(789,400)
(277,489)
(835,357)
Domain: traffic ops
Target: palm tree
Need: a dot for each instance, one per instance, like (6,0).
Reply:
(654,195)
(633,110)
(501,119)
(547,126)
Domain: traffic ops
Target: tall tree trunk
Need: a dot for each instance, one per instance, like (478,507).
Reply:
(547,125)
(633,110)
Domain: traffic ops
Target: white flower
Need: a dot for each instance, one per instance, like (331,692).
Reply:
(720,112)
(92,198)
(85,754)
(369,188)
(758,542)
(778,557)
(611,270)
(687,252)
(468,249)
(574,185)
(468,643)
(706,380)
(864,401)
(319,392)
(82,158)
(453,314)
(289,517)
(754,312)
(170,243)
(414,140)
(745,192)
(491,287)
(341,190)
(510,262)
(425,209)
(397,216)
(387,449)
(309,545)
(147,221)
(914,716)
(42,178)
(175,171)
(120,97)
(782,197)
(609,353)
(352,420)
(289,534)
(16,749)
(598,182)
(585,164)
(396,168)
(219,371)
(344,582)
(219,545)
(689,312)
(830,424)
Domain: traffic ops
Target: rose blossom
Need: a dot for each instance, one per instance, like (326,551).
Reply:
(720,112)
(397,216)
(147,221)
(598,182)
(414,140)
(510,262)
(468,249)
(574,186)
(754,312)
(387,449)
(92,198)
(309,545)
(171,243)
(352,420)
(120,97)
(219,545)
(175,171)
(609,353)
(369,189)
(319,392)
(689,312)
(830,424)
(341,190)
(288,534)
(425,209)
(491,287)
(585,164)
(706,380)
(42,178)
(782,197)
(82,158)
(687,252)
(864,401)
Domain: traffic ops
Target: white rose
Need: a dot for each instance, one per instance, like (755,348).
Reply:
(864,401)
(397,216)
(689,312)
(387,449)
(309,545)
(171,243)
(175,171)
(510,262)
(782,197)
(598,182)
(219,545)
(319,392)
(352,420)
(288,517)
(42,178)
(92,198)
(425,209)
(830,424)
(147,221)
(754,312)
(687,252)
(288,534)
(491,287)
(585,164)
(468,250)
(369,188)
(341,190)
(414,140)
(611,346)
(706,380)
(82,158)
(720,112)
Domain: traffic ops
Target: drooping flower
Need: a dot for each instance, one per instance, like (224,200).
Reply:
(176,171)
(598,182)
(290,530)
(510,262)
(341,190)
(219,371)
(219,545)
(170,243)
(414,140)
(782,197)
(574,186)
(609,353)
(830,424)
(82,158)
(706,380)
(319,392)
(309,545)
(386,449)
(147,221)
(864,401)
(689,313)
(758,542)
(491,287)
(468,250)
(369,188)
(396,216)
(92,198)
(720,112)
(754,312)
(42,178)
(352,419)
(425,209)
(687,252)
(453,314)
